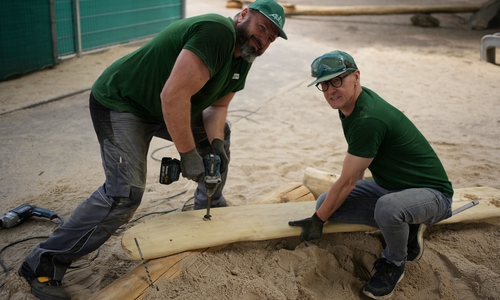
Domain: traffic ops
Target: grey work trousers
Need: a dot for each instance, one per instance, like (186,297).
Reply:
(124,140)
(391,211)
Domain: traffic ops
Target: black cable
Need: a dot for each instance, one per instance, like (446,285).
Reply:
(4,267)
(184,205)
(6,270)
(91,260)
(156,150)
(153,213)
(170,197)
(61,221)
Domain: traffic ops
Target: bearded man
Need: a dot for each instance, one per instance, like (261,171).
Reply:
(178,86)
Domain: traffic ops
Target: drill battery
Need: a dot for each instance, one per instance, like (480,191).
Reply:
(170,170)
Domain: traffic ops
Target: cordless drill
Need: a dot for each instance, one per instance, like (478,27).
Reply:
(17,215)
(171,169)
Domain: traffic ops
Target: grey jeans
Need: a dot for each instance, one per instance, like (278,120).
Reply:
(124,140)
(391,212)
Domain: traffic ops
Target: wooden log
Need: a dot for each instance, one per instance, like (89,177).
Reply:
(292,192)
(318,181)
(291,9)
(183,231)
(234,4)
(247,220)
(135,283)
(378,10)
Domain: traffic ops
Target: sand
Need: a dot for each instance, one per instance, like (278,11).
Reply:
(50,158)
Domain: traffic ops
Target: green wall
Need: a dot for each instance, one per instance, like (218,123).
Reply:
(35,34)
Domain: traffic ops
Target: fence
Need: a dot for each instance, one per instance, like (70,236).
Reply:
(35,34)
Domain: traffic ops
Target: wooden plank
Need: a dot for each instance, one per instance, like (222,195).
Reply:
(228,225)
(182,231)
(135,283)
(318,181)
(489,204)
(292,9)
(292,192)
(378,9)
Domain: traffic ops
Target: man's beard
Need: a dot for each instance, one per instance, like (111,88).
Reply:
(247,52)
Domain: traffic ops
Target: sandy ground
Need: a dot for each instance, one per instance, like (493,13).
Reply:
(49,158)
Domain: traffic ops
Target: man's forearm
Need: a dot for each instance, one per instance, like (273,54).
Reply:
(214,120)
(177,116)
(188,76)
(334,199)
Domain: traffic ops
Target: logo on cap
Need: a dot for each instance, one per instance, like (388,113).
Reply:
(277,18)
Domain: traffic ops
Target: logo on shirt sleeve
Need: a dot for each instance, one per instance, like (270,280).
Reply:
(236,76)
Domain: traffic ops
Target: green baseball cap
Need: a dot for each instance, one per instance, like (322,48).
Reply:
(330,65)
(273,11)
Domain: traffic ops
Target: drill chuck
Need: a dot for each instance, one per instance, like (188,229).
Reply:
(212,173)
(9,220)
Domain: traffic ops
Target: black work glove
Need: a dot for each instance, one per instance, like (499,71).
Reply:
(312,228)
(218,148)
(192,166)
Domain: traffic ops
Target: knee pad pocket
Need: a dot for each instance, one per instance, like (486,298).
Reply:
(116,169)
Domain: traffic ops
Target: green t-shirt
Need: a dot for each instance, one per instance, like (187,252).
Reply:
(134,82)
(402,156)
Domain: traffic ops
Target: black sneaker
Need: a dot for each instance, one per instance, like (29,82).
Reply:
(415,242)
(43,287)
(382,284)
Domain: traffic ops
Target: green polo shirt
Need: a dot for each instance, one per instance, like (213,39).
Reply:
(134,82)
(402,156)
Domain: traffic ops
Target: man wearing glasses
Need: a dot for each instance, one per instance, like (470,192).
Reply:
(409,189)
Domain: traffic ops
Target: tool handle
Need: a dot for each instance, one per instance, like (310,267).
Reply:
(41,212)
(212,169)
(464,207)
